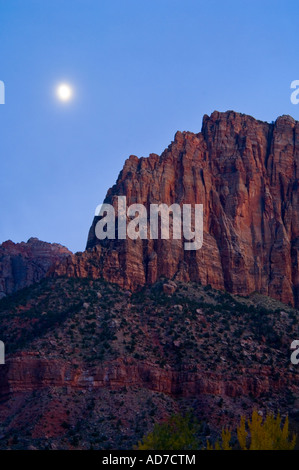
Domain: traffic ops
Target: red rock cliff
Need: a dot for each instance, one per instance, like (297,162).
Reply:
(245,173)
(22,264)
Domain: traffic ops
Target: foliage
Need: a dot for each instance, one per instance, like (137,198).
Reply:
(180,433)
(176,433)
(269,434)
(259,434)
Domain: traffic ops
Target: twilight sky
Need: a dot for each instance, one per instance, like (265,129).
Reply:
(140,71)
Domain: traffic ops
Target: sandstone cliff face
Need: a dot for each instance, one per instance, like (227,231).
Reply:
(245,173)
(22,264)
(27,373)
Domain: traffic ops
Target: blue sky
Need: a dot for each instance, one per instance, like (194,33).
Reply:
(141,70)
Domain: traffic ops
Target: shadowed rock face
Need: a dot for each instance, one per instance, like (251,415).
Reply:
(245,173)
(22,264)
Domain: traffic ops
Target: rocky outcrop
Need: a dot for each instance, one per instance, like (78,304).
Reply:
(245,173)
(29,372)
(22,264)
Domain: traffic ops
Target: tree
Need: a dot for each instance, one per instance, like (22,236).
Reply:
(269,434)
(242,433)
(180,433)
(176,433)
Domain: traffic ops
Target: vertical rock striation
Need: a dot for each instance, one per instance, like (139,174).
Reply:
(245,173)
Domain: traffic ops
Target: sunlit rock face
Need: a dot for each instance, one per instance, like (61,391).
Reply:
(245,173)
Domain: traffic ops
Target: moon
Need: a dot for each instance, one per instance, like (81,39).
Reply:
(64,92)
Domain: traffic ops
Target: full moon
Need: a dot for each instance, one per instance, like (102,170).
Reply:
(64,92)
